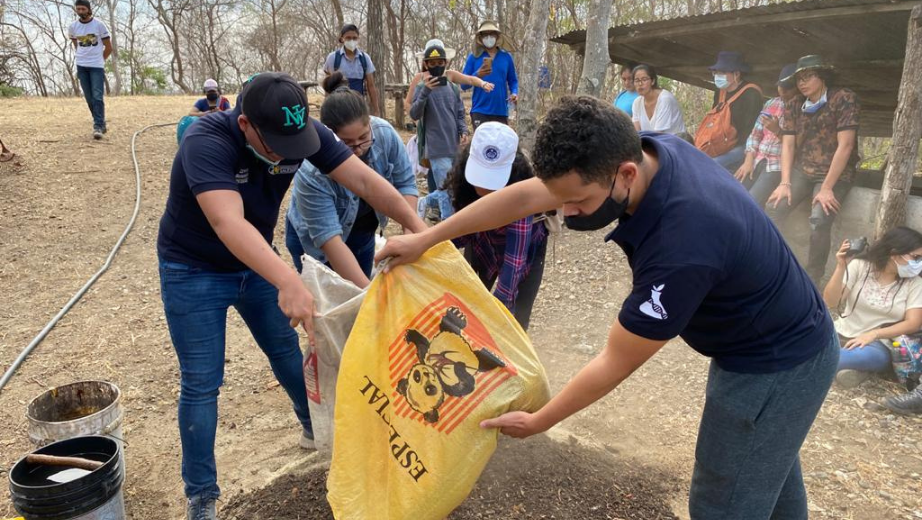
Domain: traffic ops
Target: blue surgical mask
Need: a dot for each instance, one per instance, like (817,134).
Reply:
(910,269)
(261,158)
(811,108)
(721,81)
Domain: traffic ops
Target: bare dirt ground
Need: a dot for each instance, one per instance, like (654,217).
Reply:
(65,201)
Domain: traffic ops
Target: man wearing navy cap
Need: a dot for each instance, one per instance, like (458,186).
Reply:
(215,251)
(711,269)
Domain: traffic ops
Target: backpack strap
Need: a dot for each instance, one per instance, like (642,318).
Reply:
(337,60)
(741,91)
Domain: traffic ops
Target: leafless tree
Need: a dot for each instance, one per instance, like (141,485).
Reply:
(597,59)
(535,36)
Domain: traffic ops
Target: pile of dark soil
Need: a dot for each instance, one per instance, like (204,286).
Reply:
(534,479)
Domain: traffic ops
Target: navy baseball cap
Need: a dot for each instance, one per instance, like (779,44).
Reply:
(277,106)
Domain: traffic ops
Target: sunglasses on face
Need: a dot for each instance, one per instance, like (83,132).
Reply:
(807,76)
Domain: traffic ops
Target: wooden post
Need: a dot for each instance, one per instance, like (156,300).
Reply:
(399,112)
(907,130)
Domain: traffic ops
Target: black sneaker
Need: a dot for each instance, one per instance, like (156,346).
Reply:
(907,404)
(200,508)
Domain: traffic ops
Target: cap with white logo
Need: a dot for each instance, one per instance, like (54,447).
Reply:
(493,151)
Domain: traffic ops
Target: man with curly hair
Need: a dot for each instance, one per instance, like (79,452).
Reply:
(712,270)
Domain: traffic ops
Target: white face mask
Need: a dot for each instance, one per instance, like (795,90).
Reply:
(262,157)
(489,41)
(910,269)
(352,45)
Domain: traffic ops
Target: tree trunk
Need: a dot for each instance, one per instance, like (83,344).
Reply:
(393,31)
(338,9)
(376,47)
(532,55)
(595,66)
(113,30)
(907,130)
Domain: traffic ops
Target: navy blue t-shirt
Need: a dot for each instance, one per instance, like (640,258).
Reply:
(710,266)
(213,156)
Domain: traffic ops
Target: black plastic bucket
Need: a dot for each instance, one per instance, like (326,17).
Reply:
(94,496)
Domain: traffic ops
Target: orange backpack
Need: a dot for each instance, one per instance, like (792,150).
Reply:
(716,135)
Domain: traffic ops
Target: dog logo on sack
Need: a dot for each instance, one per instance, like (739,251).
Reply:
(491,153)
(654,307)
(444,365)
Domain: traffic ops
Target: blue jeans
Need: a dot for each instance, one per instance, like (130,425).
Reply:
(93,84)
(439,168)
(195,302)
(874,357)
(763,184)
(732,160)
(820,223)
(362,245)
(747,462)
(293,243)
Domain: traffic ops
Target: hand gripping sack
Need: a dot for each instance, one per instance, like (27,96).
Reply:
(337,303)
(432,354)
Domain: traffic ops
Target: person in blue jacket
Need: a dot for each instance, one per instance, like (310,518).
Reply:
(493,64)
(325,219)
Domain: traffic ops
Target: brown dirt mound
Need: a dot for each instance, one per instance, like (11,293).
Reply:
(535,479)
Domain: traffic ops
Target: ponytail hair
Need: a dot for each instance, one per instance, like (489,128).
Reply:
(342,106)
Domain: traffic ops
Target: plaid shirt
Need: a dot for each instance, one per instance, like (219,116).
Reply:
(506,253)
(765,144)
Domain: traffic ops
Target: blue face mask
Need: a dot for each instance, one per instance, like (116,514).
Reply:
(910,269)
(721,81)
(811,107)
(261,158)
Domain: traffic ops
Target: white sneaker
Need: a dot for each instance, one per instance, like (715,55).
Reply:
(97,134)
(305,442)
(849,378)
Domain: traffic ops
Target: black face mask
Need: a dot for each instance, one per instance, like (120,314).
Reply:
(608,212)
(437,71)
(211,96)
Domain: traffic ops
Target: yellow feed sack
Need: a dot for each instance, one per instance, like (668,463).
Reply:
(431,354)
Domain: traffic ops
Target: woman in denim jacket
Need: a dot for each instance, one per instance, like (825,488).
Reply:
(329,222)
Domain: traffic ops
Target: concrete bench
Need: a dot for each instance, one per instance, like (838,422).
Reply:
(856,219)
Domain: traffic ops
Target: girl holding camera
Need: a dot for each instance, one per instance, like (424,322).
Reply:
(881,294)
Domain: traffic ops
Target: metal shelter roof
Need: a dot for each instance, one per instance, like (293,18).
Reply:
(864,39)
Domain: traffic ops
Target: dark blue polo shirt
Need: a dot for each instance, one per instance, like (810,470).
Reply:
(213,156)
(710,266)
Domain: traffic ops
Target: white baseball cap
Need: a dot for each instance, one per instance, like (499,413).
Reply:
(449,52)
(493,151)
(210,84)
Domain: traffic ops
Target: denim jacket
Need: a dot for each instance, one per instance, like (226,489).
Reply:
(321,209)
